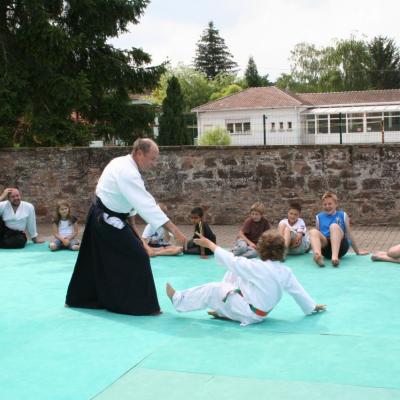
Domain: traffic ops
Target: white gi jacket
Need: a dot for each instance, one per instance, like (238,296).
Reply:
(23,219)
(121,189)
(262,283)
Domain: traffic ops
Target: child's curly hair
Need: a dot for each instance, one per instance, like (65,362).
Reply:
(329,195)
(259,207)
(271,246)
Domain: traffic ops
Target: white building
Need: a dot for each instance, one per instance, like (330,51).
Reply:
(269,115)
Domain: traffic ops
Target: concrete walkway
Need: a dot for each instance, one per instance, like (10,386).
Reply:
(372,238)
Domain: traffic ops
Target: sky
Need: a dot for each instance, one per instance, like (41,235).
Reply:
(264,29)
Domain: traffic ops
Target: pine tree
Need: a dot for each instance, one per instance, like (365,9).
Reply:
(172,128)
(212,55)
(253,79)
(384,71)
(56,62)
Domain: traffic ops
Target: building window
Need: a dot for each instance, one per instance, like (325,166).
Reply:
(238,126)
(374,122)
(322,123)
(310,124)
(289,125)
(355,122)
(392,121)
(281,126)
(273,126)
(335,123)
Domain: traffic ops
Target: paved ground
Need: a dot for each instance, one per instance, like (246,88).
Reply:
(369,237)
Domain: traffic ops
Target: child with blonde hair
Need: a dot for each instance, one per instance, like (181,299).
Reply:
(65,228)
(332,236)
(253,227)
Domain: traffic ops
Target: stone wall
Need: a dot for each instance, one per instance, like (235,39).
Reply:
(225,181)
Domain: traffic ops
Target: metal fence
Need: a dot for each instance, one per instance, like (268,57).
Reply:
(277,127)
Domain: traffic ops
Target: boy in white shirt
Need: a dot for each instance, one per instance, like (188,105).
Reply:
(257,290)
(293,229)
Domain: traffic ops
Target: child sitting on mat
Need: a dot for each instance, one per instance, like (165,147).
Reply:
(65,228)
(392,255)
(332,236)
(293,229)
(250,232)
(200,226)
(157,241)
(258,288)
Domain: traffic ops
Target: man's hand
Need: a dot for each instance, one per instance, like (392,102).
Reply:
(204,242)
(5,193)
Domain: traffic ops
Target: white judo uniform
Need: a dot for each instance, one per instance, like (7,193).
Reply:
(261,283)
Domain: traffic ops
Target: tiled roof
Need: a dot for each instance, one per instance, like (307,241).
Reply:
(258,97)
(355,97)
(270,97)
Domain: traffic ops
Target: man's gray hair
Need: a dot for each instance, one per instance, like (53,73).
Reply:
(143,144)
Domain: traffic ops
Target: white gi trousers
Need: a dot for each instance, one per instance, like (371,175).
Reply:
(212,295)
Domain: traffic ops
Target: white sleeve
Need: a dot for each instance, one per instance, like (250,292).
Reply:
(31,222)
(302,298)
(148,232)
(2,206)
(133,189)
(241,266)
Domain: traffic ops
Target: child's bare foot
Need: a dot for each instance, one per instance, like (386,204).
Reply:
(319,259)
(378,256)
(170,291)
(216,315)
(335,262)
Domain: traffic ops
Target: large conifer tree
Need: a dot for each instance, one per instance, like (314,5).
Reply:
(384,71)
(172,129)
(55,61)
(212,55)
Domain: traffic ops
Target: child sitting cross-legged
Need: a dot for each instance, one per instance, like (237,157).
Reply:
(252,229)
(258,288)
(157,241)
(200,227)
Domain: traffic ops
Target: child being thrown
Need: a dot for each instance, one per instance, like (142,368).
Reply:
(257,290)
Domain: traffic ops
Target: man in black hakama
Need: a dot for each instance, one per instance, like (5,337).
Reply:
(113,268)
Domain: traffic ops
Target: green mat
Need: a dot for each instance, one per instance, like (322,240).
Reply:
(51,352)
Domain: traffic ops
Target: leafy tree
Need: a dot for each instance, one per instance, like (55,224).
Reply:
(195,86)
(55,62)
(215,137)
(253,79)
(212,55)
(384,70)
(226,91)
(172,129)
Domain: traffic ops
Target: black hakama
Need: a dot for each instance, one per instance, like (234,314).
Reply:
(113,269)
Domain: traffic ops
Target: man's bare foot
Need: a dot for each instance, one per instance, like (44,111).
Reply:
(170,291)
(318,259)
(216,315)
(335,262)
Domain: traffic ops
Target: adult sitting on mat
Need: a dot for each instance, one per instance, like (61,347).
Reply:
(16,217)
(113,268)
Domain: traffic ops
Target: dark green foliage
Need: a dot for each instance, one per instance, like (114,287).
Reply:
(384,71)
(55,63)
(212,55)
(172,127)
(252,77)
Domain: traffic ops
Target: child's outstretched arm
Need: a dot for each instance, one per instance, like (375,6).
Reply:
(204,242)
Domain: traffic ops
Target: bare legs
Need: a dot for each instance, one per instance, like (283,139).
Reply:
(392,255)
(319,241)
